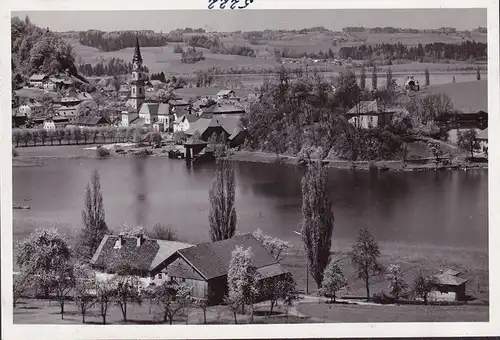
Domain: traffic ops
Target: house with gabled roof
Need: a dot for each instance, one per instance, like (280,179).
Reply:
(448,286)
(225,94)
(146,257)
(205,267)
(229,128)
(37,80)
(370,114)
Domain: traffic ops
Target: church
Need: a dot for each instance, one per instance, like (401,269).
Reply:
(139,112)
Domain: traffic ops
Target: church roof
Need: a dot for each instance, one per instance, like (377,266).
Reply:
(137,52)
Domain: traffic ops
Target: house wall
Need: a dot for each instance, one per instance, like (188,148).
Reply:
(182,126)
(217,289)
(180,271)
(49,125)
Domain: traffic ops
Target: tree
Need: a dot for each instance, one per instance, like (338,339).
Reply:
(77,134)
(179,137)
(364,256)
(173,298)
(17,136)
(423,285)
(60,134)
(427,77)
(242,277)
(333,280)
(317,220)
(105,296)
(289,293)
(397,283)
(389,80)
(222,213)
(36,136)
(435,148)
(27,137)
(61,281)
(126,286)
(68,134)
(155,137)
(374,78)
(85,283)
(43,135)
(19,287)
(273,245)
(85,134)
(478,74)
(93,218)
(362,81)
(468,141)
(203,305)
(234,302)
(163,232)
(51,135)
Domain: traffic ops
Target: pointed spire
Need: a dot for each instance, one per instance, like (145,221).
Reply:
(137,53)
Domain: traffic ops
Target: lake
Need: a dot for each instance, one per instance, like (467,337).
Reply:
(443,209)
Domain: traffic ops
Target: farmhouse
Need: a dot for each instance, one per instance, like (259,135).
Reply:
(369,114)
(146,257)
(91,121)
(205,266)
(37,80)
(184,122)
(448,286)
(226,94)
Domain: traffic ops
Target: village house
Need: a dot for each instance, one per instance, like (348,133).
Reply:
(53,123)
(205,267)
(57,84)
(37,80)
(228,128)
(448,286)
(225,94)
(31,109)
(183,123)
(146,257)
(69,112)
(223,110)
(482,137)
(92,121)
(18,119)
(369,114)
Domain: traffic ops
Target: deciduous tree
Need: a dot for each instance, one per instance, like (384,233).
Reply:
(467,140)
(397,283)
(172,297)
(163,232)
(126,285)
(423,285)
(85,286)
(222,213)
(105,296)
(427,77)
(317,220)
(273,245)
(374,78)
(364,256)
(333,280)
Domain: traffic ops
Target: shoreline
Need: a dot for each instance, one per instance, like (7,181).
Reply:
(37,155)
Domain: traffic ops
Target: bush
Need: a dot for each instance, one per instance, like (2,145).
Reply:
(383,299)
(102,152)
(163,232)
(14,152)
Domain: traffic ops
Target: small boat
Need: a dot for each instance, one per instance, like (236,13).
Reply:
(21,207)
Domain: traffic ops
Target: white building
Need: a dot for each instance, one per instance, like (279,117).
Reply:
(37,80)
(183,123)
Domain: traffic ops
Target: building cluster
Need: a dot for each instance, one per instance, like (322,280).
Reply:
(204,267)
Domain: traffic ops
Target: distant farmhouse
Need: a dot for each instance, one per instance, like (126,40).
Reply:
(370,114)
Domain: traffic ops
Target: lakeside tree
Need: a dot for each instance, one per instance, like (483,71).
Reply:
(397,283)
(362,81)
(333,280)
(423,285)
(364,255)
(468,141)
(242,277)
(85,284)
(478,76)
(374,78)
(273,245)
(222,211)
(427,77)
(93,218)
(436,151)
(173,298)
(317,220)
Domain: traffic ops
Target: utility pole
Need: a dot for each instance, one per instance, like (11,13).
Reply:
(307,267)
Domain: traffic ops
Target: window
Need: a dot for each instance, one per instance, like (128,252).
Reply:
(183,280)
(133,90)
(159,276)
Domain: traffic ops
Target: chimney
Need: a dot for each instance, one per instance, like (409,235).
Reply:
(119,242)
(140,239)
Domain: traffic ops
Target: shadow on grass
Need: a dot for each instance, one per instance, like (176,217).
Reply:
(266,313)
(143,322)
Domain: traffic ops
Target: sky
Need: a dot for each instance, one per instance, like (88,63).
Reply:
(247,20)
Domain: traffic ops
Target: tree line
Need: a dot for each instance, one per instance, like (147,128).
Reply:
(215,45)
(117,40)
(287,53)
(111,67)
(438,51)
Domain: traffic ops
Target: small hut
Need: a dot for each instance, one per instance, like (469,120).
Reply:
(194,146)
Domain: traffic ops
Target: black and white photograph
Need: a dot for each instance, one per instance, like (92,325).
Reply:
(231,165)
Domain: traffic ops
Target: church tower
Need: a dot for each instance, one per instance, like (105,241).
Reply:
(137,93)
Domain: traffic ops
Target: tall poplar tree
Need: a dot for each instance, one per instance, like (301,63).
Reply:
(317,220)
(374,78)
(362,81)
(93,218)
(222,215)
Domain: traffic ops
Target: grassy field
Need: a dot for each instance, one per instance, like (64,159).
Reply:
(406,313)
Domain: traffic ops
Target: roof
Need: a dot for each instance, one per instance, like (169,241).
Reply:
(368,107)
(271,271)
(154,108)
(224,92)
(91,120)
(137,52)
(468,97)
(138,121)
(38,77)
(195,141)
(449,280)
(229,124)
(451,272)
(482,134)
(146,257)
(84,96)
(178,102)
(64,108)
(69,100)
(211,260)
(223,109)
(191,118)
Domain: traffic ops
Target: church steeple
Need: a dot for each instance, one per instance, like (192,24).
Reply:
(137,53)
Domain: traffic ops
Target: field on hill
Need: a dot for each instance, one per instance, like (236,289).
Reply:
(159,59)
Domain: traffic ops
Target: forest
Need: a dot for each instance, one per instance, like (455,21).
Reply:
(35,50)
(117,40)
(216,46)
(438,51)
(111,67)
